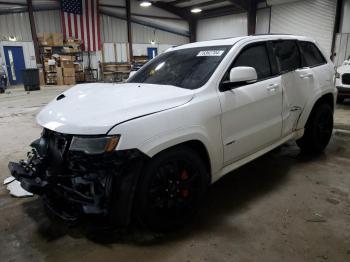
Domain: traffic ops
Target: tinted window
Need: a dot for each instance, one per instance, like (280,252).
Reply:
(257,57)
(187,68)
(287,55)
(311,56)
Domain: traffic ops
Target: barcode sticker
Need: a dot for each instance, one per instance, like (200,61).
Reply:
(211,53)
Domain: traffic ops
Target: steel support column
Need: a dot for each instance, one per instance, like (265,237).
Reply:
(128,22)
(251,17)
(33,31)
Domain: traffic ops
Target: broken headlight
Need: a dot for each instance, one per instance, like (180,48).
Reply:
(94,145)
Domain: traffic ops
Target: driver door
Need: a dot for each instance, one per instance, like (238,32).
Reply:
(251,114)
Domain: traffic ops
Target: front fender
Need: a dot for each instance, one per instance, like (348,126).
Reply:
(198,120)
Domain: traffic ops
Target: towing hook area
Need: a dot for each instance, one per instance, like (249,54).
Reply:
(77,184)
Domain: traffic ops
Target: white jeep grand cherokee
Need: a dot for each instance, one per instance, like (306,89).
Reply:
(148,149)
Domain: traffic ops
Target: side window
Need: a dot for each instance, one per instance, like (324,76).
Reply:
(311,56)
(255,56)
(287,53)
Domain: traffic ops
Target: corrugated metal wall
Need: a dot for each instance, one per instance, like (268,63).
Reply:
(345,21)
(221,27)
(144,34)
(48,21)
(113,30)
(314,18)
(342,48)
(17,25)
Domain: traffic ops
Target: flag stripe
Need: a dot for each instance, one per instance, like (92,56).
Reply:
(69,26)
(87,23)
(93,9)
(98,27)
(63,24)
(76,27)
(80,19)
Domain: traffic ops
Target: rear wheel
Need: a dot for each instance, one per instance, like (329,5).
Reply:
(171,189)
(318,130)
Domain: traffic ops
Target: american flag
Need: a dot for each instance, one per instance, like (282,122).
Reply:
(81,20)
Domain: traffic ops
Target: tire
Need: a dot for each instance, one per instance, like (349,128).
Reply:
(318,130)
(171,189)
(340,100)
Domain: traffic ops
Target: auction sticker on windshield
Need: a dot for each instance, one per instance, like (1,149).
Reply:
(211,53)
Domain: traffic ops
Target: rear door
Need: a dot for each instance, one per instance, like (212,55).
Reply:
(252,113)
(312,58)
(297,82)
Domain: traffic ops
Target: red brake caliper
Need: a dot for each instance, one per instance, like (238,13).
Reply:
(184,176)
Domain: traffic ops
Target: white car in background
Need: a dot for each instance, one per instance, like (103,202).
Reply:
(343,81)
(148,149)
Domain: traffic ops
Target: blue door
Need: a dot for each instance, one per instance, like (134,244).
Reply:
(152,52)
(15,63)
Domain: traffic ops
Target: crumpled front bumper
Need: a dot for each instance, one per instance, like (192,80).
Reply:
(76,184)
(28,180)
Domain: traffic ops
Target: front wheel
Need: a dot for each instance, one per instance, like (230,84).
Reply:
(171,188)
(318,130)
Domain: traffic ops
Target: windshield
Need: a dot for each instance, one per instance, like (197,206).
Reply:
(186,68)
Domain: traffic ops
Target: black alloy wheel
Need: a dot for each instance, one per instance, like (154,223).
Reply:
(171,189)
(318,130)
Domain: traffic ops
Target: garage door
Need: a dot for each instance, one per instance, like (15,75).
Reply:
(314,18)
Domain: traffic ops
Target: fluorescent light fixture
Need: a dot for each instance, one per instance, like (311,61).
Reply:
(145,3)
(196,10)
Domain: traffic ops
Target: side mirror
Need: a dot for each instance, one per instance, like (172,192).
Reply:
(240,75)
(131,74)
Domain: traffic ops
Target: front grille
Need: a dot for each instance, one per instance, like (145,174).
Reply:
(346,79)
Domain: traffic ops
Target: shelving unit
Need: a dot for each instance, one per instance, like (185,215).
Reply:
(115,72)
(71,49)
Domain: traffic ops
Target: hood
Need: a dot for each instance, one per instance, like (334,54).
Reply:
(92,109)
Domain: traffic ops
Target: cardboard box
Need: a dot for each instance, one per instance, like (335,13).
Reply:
(67,58)
(57,39)
(69,80)
(80,76)
(67,64)
(77,67)
(70,72)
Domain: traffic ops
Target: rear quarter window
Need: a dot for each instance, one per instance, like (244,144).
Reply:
(311,55)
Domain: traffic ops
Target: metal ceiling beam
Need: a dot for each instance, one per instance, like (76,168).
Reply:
(15,4)
(243,4)
(221,11)
(205,4)
(183,13)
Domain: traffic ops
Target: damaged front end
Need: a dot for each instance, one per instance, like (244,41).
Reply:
(76,182)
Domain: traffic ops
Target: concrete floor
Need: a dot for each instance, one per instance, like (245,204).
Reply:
(283,206)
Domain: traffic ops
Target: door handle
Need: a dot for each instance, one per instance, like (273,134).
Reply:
(308,75)
(272,87)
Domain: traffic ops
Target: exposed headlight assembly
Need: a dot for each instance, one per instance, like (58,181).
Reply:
(94,145)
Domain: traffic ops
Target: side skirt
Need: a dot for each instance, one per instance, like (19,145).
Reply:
(227,169)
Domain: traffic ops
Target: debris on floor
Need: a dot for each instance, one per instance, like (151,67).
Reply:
(317,218)
(14,186)
(8,180)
